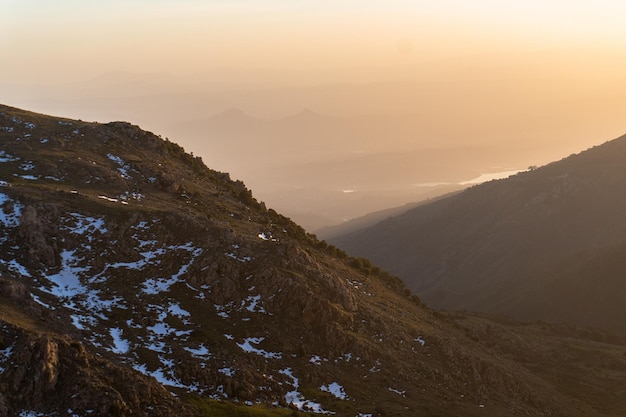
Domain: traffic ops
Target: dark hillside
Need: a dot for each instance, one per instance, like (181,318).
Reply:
(518,245)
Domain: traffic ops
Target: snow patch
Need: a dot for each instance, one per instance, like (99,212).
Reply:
(176,310)
(86,225)
(396,391)
(160,375)
(15,266)
(317,360)
(5,355)
(28,177)
(336,390)
(10,219)
(199,352)
(247,346)
(66,281)
(159,285)
(267,236)
(297,400)
(227,371)
(29,413)
(120,345)
(128,196)
(252,304)
(27,166)
(123,166)
(112,200)
(5,157)
(67,286)
(223,311)
(237,258)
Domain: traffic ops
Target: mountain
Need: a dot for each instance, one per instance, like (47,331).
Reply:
(232,118)
(544,244)
(371,219)
(136,281)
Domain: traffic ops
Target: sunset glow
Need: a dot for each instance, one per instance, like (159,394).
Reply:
(92,37)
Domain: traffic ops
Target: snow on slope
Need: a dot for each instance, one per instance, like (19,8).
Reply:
(153,337)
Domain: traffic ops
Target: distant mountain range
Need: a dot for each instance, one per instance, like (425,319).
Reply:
(545,244)
(379,134)
(303,162)
(135,281)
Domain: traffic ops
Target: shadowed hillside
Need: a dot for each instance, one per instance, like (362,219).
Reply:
(543,244)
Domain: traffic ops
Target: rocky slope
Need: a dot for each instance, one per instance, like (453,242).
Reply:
(136,281)
(543,244)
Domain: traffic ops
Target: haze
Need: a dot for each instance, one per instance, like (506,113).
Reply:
(330,110)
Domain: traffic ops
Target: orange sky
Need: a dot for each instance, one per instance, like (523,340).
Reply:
(67,39)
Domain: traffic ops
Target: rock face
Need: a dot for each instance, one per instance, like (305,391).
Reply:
(49,373)
(136,281)
(38,234)
(544,244)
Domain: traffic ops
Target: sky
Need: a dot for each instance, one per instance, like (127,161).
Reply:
(68,39)
(507,83)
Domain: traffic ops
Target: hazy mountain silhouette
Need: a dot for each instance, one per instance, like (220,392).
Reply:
(543,244)
(371,219)
(234,116)
(356,119)
(129,271)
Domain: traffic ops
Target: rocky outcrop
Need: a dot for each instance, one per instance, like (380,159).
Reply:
(46,373)
(38,229)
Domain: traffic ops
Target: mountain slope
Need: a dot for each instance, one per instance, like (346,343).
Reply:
(373,218)
(517,245)
(129,272)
